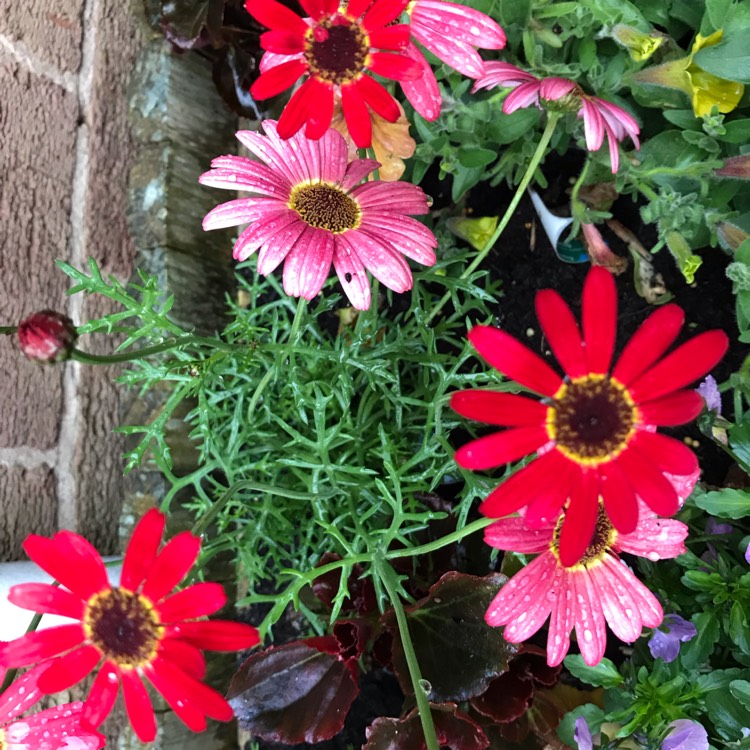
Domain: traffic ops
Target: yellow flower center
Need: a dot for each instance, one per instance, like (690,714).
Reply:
(605,536)
(592,419)
(336,50)
(124,627)
(325,206)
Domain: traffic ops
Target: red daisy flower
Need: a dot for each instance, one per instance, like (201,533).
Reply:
(334,48)
(582,596)
(57,728)
(595,431)
(133,631)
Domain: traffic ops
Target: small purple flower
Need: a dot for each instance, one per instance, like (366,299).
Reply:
(717,527)
(709,389)
(685,735)
(666,644)
(747,554)
(582,734)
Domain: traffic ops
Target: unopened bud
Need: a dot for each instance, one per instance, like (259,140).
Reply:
(47,336)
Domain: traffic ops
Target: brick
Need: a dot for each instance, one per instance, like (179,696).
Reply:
(51,32)
(29,506)
(37,149)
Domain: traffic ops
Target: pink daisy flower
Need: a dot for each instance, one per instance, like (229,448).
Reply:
(598,589)
(57,728)
(453,33)
(601,119)
(309,210)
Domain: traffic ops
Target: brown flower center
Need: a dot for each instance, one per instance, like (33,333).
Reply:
(336,50)
(603,540)
(124,626)
(325,206)
(592,419)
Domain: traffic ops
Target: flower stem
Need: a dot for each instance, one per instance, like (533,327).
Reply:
(536,160)
(8,330)
(456,536)
(174,343)
(388,577)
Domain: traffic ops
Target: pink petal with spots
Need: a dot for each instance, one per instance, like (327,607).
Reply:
(241,211)
(455,52)
(553,88)
(618,605)
(523,96)
(380,259)
(655,538)
(563,617)
(385,196)
(265,230)
(278,246)
(423,93)
(411,238)
(268,151)
(307,266)
(57,728)
(514,534)
(498,73)
(238,173)
(352,275)
(591,632)
(593,125)
(356,171)
(273,59)
(459,22)
(647,604)
(514,597)
(22,694)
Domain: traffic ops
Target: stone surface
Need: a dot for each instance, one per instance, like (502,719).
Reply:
(28,506)
(51,32)
(37,151)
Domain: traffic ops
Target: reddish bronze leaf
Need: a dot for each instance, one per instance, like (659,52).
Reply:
(454,729)
(507,697)
(294,693)
(458,653)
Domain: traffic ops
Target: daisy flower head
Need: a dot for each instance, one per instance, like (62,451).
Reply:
(308,209)
(596,590)
(133,633)
(57,728)
(333,48)
(594,431)
(453,33)
(601,119)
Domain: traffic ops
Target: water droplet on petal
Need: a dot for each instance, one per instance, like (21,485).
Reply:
(588,636)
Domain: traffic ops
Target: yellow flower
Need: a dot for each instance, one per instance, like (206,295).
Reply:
(640,45)
(704,89)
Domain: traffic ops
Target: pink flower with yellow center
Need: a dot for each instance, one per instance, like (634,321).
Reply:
(453,33)
(334,48)
(594,432)
(308,209)
(598,589)
(601,119)
(57,728)
(139,631)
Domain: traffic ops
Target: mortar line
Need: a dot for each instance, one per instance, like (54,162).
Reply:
(24,56)
(70,425)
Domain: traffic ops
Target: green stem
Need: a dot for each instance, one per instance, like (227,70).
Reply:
(297,322)
(536,160)
(388,577)
(109,359)
(579,183)
(8,330)
(456,536)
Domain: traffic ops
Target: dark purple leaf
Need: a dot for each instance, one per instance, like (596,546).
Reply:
(458,653)
(294,693)
(454,729)
(506,697)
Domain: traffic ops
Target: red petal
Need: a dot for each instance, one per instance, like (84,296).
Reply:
(668,411)
(102,695)
(543,476)
(216,635)
(669,455)
(620,501)
(501,448)
(277,79)
(186,656)
(296,112)
(46,599)
(382,12)
(396,67)
(357,116)
(171,566)
(276,16)
(282,42)
(687,363)
(515,360)
(654,336)
(142,549)
(393,38)
(319,116)
(40,645)
(648,482)
(378,98)
(580,518)
(599,319)
(505,409)
(562,332)
(138,705)
(173,693)
(195,601)
(69,670)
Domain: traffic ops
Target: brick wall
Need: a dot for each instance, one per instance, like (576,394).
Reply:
(65,157)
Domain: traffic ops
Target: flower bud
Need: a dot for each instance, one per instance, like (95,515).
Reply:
(47,336)
(639,44)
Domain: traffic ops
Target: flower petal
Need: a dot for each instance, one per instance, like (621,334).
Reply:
(40,645)
(562,332)
(319,117)
(184,655)
(591,632)
(599,319)
(46,599)
(171,565)
(669,455)
(172,690)
(514,534)
(66,671)
(423,93)
(381,259)
(277,79)
(357,115)
(216,635)
(562,618)
(675,409)
(513,359)
(274,15)
(648,482)
(646,603)
(653,337)
(142,548)
(687,363)
(352,275)
(308,263)
(138,705)
(655,539)
(580,518)
(618,605)
(500,447)
(198,600)
(620,501)
(298,108)
(102,695)
(492,407)
(22,694)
